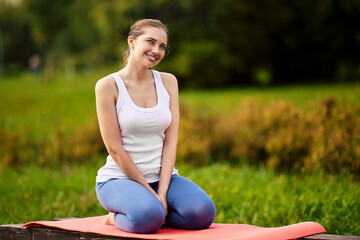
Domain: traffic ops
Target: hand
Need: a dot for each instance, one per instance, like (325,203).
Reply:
(164,203)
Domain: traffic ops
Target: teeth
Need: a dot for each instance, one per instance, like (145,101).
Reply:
(152,58)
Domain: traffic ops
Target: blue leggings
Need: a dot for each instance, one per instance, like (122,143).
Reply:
(137,210)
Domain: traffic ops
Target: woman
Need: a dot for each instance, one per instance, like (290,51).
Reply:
(138,113)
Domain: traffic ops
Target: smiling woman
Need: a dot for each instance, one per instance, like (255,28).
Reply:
(138,114)
(138,30)
(152,42)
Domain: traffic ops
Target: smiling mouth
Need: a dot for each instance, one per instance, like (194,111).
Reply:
(152,58)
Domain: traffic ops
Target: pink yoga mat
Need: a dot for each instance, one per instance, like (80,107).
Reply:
(215,231)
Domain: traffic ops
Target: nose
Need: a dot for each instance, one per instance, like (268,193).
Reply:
(156,50)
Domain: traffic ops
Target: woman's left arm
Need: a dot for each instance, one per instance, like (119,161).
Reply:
(171,137)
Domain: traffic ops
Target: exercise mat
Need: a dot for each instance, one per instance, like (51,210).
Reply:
(215,231)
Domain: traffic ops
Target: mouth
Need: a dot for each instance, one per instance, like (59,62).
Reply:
(151,57)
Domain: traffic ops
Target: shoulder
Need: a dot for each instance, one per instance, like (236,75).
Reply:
(168,78)
(170,82)
(105,84)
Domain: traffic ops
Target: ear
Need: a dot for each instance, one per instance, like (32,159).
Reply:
(131,42)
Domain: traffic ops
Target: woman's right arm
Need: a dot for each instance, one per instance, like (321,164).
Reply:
(106,92)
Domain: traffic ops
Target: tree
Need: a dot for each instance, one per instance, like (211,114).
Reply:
(213,43)
(16,42)
(49,20)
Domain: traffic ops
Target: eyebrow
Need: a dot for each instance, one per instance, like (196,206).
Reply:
(156,41)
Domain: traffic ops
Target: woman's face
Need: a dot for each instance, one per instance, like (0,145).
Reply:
(149,48)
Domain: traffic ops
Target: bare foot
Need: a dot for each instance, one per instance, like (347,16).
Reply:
(109,220)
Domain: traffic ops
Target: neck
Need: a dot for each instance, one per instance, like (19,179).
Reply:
(135,72)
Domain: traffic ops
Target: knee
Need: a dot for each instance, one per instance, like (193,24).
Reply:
(147,219)
(201,215)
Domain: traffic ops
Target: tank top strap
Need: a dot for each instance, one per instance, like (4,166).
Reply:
(118,80)
(159,84)
(120,85)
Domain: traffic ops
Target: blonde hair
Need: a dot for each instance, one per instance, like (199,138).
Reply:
(137,30)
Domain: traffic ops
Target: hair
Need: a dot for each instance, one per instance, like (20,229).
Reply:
(137,30)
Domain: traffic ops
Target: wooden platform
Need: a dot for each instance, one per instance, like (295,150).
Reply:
(16,232)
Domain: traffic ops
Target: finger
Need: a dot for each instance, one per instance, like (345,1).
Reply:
(165,207)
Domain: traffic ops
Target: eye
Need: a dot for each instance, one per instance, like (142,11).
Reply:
(150,41)
(163,47)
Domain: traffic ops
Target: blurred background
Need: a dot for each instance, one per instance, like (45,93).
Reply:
(269,102)
(213,43)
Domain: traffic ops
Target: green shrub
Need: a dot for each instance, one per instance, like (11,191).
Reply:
(57,144)
(194,137)
(279,134)
(273,135)
(239,135)
(335,138)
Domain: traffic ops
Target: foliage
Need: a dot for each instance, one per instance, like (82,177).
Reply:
(214,43)
(15,32)
(58,145)
(40,193)
(242,194)
(49,124)
(194,138)
(50,136)
(259,196)
(279,135)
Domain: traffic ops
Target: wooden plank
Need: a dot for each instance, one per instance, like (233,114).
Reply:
(58,234)
(330,237)
(16,232)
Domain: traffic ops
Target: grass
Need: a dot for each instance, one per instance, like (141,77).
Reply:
(26,101)
(242,194)
(262,197)
(29,102)
(303,96)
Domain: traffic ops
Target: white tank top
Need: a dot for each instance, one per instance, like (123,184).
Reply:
(142,132)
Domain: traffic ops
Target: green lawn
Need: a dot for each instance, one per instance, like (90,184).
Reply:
(242,194)
(26,101)
(303,96)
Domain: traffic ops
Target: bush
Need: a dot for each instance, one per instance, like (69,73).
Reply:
(19,147)
(194,137)
(280,135)
(335,138)
(273,135)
